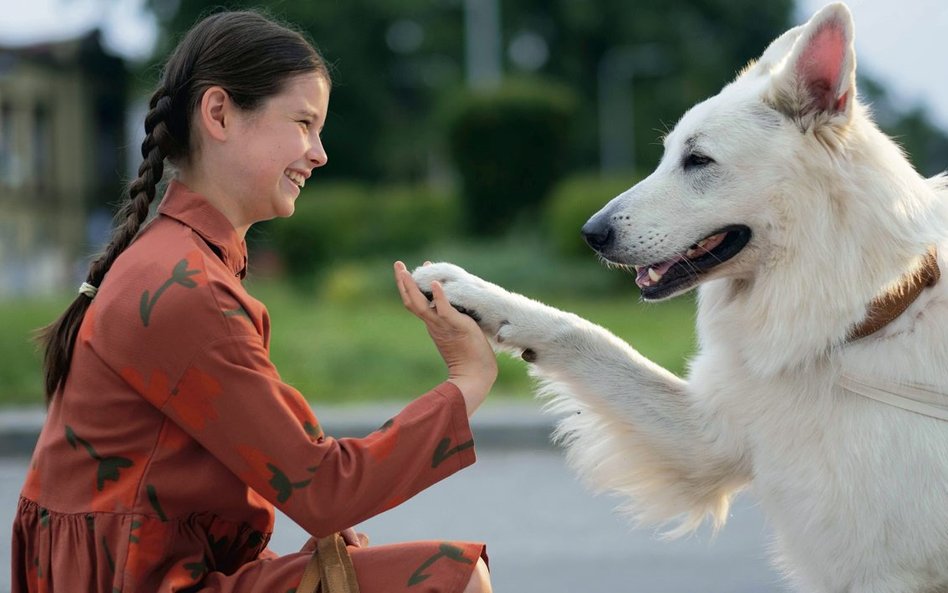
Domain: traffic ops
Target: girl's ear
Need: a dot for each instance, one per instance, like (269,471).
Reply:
(215,113)
(818,77)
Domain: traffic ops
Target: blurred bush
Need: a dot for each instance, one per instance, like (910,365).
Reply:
(571,204)
(510,145)
(340,221)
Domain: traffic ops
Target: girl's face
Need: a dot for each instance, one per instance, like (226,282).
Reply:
(273,151)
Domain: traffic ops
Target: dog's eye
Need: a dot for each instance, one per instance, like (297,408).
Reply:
(694,160)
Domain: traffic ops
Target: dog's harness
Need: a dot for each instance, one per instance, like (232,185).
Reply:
(880,312)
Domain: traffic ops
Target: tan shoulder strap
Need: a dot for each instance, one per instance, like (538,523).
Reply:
(310,581)
(331,567)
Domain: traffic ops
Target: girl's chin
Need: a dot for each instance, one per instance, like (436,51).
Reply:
(286,209)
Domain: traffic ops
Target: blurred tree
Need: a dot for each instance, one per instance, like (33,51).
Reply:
(510,145)
(681,51)
(394,58)
(397,60)
(925,144)
(389,57)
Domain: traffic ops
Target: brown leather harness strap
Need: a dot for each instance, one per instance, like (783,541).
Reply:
(885,308)
(329,570)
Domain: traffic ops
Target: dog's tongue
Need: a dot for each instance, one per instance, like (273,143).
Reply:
(642,278)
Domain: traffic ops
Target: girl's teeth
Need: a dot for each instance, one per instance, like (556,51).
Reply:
(297,179)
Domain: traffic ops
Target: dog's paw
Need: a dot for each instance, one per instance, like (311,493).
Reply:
(513,322)
(483,301)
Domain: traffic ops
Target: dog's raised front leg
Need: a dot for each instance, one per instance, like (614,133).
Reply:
(634,427)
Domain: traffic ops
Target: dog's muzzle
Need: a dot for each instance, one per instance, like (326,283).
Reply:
(599,233)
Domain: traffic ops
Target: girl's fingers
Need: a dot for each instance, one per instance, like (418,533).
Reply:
(412,297)
(439,307)
(400,271)
(444,307)
(439,303)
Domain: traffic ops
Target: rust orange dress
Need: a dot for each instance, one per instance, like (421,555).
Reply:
(161,460)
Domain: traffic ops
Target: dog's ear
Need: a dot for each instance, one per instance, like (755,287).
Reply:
(817,81)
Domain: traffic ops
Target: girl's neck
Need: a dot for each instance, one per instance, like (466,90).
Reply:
(215,194)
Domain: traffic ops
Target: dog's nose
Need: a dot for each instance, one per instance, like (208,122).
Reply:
(598,234)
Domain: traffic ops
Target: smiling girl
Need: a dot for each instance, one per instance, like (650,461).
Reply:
(170,436)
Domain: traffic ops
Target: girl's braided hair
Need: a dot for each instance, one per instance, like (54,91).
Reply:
(250,56)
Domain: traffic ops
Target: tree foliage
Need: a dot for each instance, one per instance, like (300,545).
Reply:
(396,61)
(510,145)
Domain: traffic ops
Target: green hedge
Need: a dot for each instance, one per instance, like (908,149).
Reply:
(571,204)
(346,220)
(510,146)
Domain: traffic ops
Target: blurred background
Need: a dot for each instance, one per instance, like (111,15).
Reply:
(484,132)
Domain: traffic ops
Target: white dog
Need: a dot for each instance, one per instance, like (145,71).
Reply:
(811,238)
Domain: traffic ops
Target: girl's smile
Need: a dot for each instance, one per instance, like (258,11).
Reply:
(253,163)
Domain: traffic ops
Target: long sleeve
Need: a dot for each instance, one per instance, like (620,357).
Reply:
(231,400)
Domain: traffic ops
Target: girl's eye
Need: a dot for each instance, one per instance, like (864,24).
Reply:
(695,160)
(305,123)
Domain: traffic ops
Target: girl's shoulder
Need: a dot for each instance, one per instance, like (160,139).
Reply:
(170,291)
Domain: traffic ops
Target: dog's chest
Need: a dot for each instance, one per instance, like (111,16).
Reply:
(844,481)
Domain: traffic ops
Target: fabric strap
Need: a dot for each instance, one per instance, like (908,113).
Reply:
(908,396)
(330,568)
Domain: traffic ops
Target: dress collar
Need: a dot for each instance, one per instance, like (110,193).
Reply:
(193,209)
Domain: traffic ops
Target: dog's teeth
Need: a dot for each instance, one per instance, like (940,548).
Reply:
(691,253)
(637,269)
(653,275)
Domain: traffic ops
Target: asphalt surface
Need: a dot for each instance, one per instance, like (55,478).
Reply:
(545,531)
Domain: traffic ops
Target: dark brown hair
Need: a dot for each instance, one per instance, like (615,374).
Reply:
(247,54)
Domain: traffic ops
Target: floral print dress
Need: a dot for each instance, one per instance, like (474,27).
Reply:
(162,458)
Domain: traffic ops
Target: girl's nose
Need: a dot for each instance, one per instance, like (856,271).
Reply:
(317,154)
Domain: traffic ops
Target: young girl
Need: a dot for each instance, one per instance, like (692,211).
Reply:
(170,436)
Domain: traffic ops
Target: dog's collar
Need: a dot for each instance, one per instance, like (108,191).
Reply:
(886,307)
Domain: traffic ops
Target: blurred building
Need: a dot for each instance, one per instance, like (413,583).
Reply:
(62,139)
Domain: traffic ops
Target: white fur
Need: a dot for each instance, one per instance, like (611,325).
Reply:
(856,491)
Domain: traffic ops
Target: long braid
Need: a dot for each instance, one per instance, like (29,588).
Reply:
(59,337)
(141,191)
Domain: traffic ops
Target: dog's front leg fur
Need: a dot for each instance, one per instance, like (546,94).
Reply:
(633,426)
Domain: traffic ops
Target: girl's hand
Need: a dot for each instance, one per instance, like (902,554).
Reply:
(349,536)
(359,540)
(472,365)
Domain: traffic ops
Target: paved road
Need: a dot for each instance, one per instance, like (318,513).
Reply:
(545,532)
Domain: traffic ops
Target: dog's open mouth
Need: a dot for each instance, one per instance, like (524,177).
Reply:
(662,279)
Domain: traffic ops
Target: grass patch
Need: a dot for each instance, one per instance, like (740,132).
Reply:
(339,349)
(21,378)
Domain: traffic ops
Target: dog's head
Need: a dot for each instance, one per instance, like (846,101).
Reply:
(716,204)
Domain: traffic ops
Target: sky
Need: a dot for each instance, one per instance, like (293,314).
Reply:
(901,43)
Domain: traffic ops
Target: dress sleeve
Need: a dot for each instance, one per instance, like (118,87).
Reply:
(233,402)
